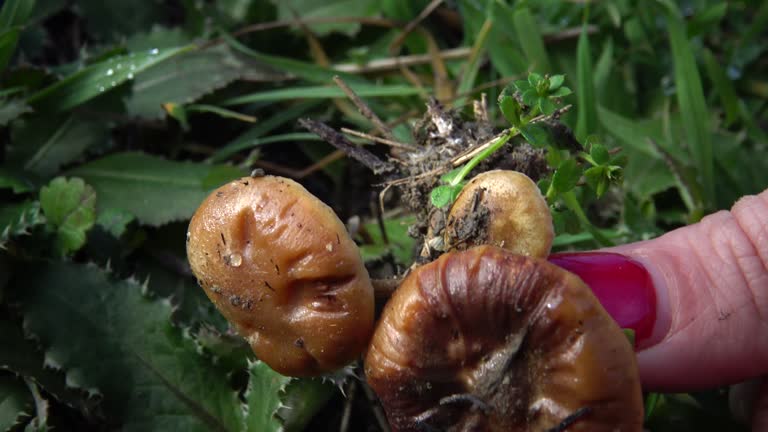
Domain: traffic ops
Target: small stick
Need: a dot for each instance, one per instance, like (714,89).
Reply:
(481,109)
(571,419)
(390,63)
(395,45)
(364,109)
(379,140)
(368,159)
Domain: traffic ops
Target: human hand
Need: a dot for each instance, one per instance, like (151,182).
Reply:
(697,299)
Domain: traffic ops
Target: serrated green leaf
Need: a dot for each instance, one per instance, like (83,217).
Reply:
(98,78)
(114,220)
(535,134)
(21,356)
(142,185)
(15,401)
(111,20)
(148,372)
(42,144)
(566,176)
(263,398)
(16,219)
(70,208)
(187,77)
(302,399)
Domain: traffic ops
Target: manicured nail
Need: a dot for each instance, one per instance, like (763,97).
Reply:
(622,285)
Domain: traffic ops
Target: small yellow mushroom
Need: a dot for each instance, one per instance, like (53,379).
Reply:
(504,209)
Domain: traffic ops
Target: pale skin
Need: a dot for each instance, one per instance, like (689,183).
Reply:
(711,280)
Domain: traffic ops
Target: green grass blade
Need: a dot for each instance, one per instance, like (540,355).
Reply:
(252,136)
(759,22)
(13,15)
(255,142)
(693,108)
(221,112)
(97,78)
(723,86)
(319,92)
(472,66)
(531,41)
(587,108)
(300,69)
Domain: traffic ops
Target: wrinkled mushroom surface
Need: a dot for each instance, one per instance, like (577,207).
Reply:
(501,208)
(486,340)
(280,266)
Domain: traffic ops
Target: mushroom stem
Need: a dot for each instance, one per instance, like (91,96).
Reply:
(383,288)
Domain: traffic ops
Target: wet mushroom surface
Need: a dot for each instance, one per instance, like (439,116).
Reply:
(487,340)
(279,265)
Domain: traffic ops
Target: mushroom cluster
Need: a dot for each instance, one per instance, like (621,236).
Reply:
(488,337)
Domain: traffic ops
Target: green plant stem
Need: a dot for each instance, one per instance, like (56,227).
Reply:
(466,169)
(573,203)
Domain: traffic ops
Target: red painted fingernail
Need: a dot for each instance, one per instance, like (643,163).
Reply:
(622,285)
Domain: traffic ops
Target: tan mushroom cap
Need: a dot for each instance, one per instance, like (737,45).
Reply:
(279,265)
(486,340)
(501,208)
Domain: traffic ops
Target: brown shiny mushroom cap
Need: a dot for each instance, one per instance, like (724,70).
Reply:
(486,340)
(501,208)
(280,266)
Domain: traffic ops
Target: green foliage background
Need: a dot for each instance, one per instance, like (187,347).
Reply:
(118,117)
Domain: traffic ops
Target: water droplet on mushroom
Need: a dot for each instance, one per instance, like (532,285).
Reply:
(329,247)
(110,72)
(235,260)
(130,76)
(154,51)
